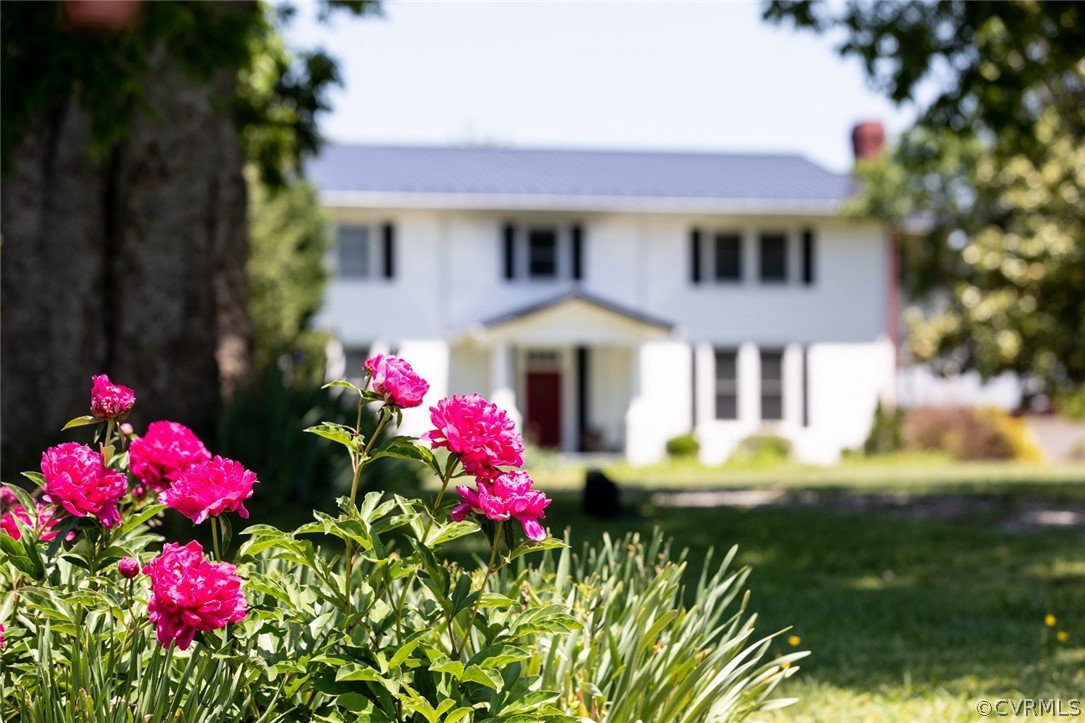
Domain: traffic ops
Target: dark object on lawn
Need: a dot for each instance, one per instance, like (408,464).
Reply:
(602,498)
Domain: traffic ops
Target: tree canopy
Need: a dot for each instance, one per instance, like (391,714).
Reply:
(995,167)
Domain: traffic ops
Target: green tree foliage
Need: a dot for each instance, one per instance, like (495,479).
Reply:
(286,270)
(995,165)
(278,97)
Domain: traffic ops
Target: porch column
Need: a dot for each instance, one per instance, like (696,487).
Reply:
(502,382)
(749,385)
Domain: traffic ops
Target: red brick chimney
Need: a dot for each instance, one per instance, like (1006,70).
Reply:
(868,139)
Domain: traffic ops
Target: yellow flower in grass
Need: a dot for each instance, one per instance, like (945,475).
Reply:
(794,640)
(1050,620)
(1062,636)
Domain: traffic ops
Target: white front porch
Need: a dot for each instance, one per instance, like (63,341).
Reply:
(569,371)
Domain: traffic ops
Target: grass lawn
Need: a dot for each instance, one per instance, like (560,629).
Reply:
(910,614)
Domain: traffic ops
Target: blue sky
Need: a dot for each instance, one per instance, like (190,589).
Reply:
(637,75)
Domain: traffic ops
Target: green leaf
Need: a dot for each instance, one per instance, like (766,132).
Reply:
(356,671)
(407,648)
(24,497)
(339,433)
(444,665)
(497,656)
(344,384)
(495,600)
(488,678)
(453,531)
(133,521)
(405,448)
(27,561)
(36,477)
(550,543)
(83,421)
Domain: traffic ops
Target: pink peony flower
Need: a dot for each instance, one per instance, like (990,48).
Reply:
(128,567)
(76,480)
(159,457)
(190,593)
(110,401)
(7,498)
(394,380)
(478,431)
(47,522)
(509,495)
(211,488)
(3,641)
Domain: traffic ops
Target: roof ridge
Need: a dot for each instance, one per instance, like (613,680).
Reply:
(567,150)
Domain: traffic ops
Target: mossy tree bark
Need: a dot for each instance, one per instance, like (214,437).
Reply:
(128,262)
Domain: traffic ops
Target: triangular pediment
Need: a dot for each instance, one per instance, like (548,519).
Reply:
(574,318)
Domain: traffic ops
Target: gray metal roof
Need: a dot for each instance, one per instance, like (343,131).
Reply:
(770,180)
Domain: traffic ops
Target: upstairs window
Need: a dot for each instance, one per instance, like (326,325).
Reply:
(773,257)
(715,257)
(542,250)
(772,385)
(728,257)
(354,252)
(542,253)
(365,252)
(726,384)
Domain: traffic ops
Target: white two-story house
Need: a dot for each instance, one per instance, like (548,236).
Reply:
(613,300)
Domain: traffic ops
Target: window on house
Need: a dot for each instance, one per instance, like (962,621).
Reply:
(772,385)
(542,253)
(773,257)
(728,257)
(726,384)
(355,254)
(542,245)
(366,251)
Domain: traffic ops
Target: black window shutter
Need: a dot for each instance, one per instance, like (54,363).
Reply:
(578,252)
(388,236)
(695,256)
(808,256)
(509,233)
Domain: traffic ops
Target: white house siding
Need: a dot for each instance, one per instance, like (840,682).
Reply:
(449,277)
(360,311)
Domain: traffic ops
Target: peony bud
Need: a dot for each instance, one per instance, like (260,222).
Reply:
(129,567)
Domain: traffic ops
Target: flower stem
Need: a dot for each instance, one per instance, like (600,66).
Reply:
(482,588)
(215,538)
(450,469)
(107,440)
(359,463)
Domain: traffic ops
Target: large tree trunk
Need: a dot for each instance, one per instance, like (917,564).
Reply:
(129,263)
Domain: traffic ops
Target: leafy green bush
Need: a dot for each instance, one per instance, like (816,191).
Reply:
(760,449)
(1072,403)
(684,445)
(359,615)
(886,433)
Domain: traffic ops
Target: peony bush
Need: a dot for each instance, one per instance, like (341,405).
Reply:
(360,616)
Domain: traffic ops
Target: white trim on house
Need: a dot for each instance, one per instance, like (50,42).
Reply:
(572,204)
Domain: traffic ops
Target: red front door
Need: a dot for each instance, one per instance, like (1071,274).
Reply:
(543,423)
